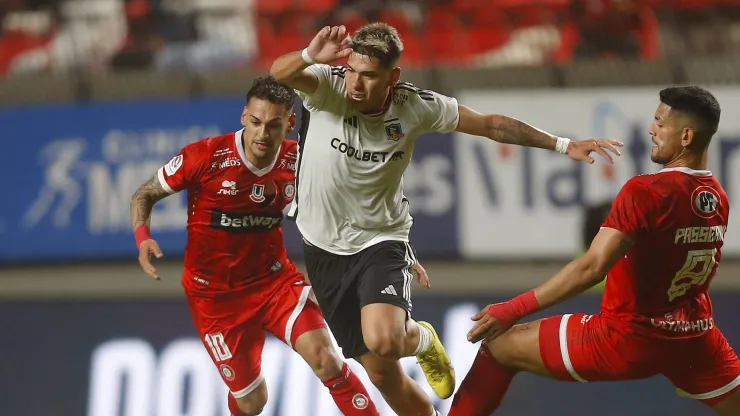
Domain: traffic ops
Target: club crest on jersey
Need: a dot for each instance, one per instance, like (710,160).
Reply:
(705,201)
(258,193)
(289,191)
(394,131)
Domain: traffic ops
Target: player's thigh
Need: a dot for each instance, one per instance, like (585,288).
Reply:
(292,309)
(519,348)
(294,317)
(234,341)
(705,368)
(581,347)
(334,287)
(385,276)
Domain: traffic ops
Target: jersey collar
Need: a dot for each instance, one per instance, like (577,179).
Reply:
(687,171)
(386,106)
(240,149)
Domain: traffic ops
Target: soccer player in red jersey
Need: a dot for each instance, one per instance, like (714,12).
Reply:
(238,279)
(661,245)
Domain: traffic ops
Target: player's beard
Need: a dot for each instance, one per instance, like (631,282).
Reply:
(656,154)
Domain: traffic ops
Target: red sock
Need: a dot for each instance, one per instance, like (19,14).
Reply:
(483,389)
(350,394)
(234,407)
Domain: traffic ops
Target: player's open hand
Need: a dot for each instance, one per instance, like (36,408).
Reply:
(487,327)
(421,275)
(146,249)
(581,150)
(330,44)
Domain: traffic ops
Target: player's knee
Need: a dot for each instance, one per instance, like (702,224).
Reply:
(385,344)
(253,403)
(324,361)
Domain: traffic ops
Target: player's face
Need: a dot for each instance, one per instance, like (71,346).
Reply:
(368,83)
(265,126)
(666,133)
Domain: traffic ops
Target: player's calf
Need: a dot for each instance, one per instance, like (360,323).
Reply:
(401,393)
(250,405)
(320,354)
(345,387)
(495,366)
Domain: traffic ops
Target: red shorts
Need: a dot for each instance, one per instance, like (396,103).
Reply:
(233,328)
(583,348)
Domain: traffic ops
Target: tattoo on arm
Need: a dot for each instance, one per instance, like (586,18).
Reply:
(144,199)
(512,131)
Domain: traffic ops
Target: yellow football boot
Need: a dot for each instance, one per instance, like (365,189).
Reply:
(437,366)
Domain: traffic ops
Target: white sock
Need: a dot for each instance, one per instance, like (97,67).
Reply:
(425,340)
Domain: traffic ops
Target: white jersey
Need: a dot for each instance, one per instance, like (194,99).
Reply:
(350,167)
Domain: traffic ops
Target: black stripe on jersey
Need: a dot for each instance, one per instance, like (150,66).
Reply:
(413,87)
(390,120)
(302,131)
(352,121)
(423,95)
(338,71)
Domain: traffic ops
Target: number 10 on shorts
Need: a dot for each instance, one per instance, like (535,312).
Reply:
(217,344)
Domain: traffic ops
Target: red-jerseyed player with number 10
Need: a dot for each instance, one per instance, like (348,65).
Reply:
(238,279)
(661,246)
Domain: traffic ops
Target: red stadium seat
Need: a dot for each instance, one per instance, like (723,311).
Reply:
(272,7)
(445,38)
(486,38)
(467,6)
(315,6)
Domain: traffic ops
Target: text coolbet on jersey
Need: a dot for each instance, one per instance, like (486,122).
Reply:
(350,193)
(677,219)
(235,213)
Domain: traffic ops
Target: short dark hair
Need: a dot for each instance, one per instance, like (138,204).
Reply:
(696,102)
(267,88)
(379,40)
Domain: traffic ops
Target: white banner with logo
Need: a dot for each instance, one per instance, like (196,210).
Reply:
(519,202)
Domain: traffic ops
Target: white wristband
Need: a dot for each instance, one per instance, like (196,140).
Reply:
(307,58)
(562,145)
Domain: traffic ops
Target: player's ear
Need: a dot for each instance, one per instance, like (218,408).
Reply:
(244,116)
(395,76)
(687,136)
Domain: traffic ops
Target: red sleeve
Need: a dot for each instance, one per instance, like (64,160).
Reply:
(630,210)
(184,169)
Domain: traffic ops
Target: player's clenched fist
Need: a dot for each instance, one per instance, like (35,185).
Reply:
(330,44)
(146,249)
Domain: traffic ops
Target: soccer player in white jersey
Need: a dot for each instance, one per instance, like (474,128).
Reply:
(350,206)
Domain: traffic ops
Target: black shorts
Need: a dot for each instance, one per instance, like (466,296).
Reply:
(344,284)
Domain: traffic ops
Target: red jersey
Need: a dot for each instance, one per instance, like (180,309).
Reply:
(235,213)
(677,219)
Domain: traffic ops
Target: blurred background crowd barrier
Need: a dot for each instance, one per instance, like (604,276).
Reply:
(95,95)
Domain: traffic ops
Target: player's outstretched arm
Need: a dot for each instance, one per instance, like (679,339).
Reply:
(142,203)
(509,130)
(329,45)
(607,248)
